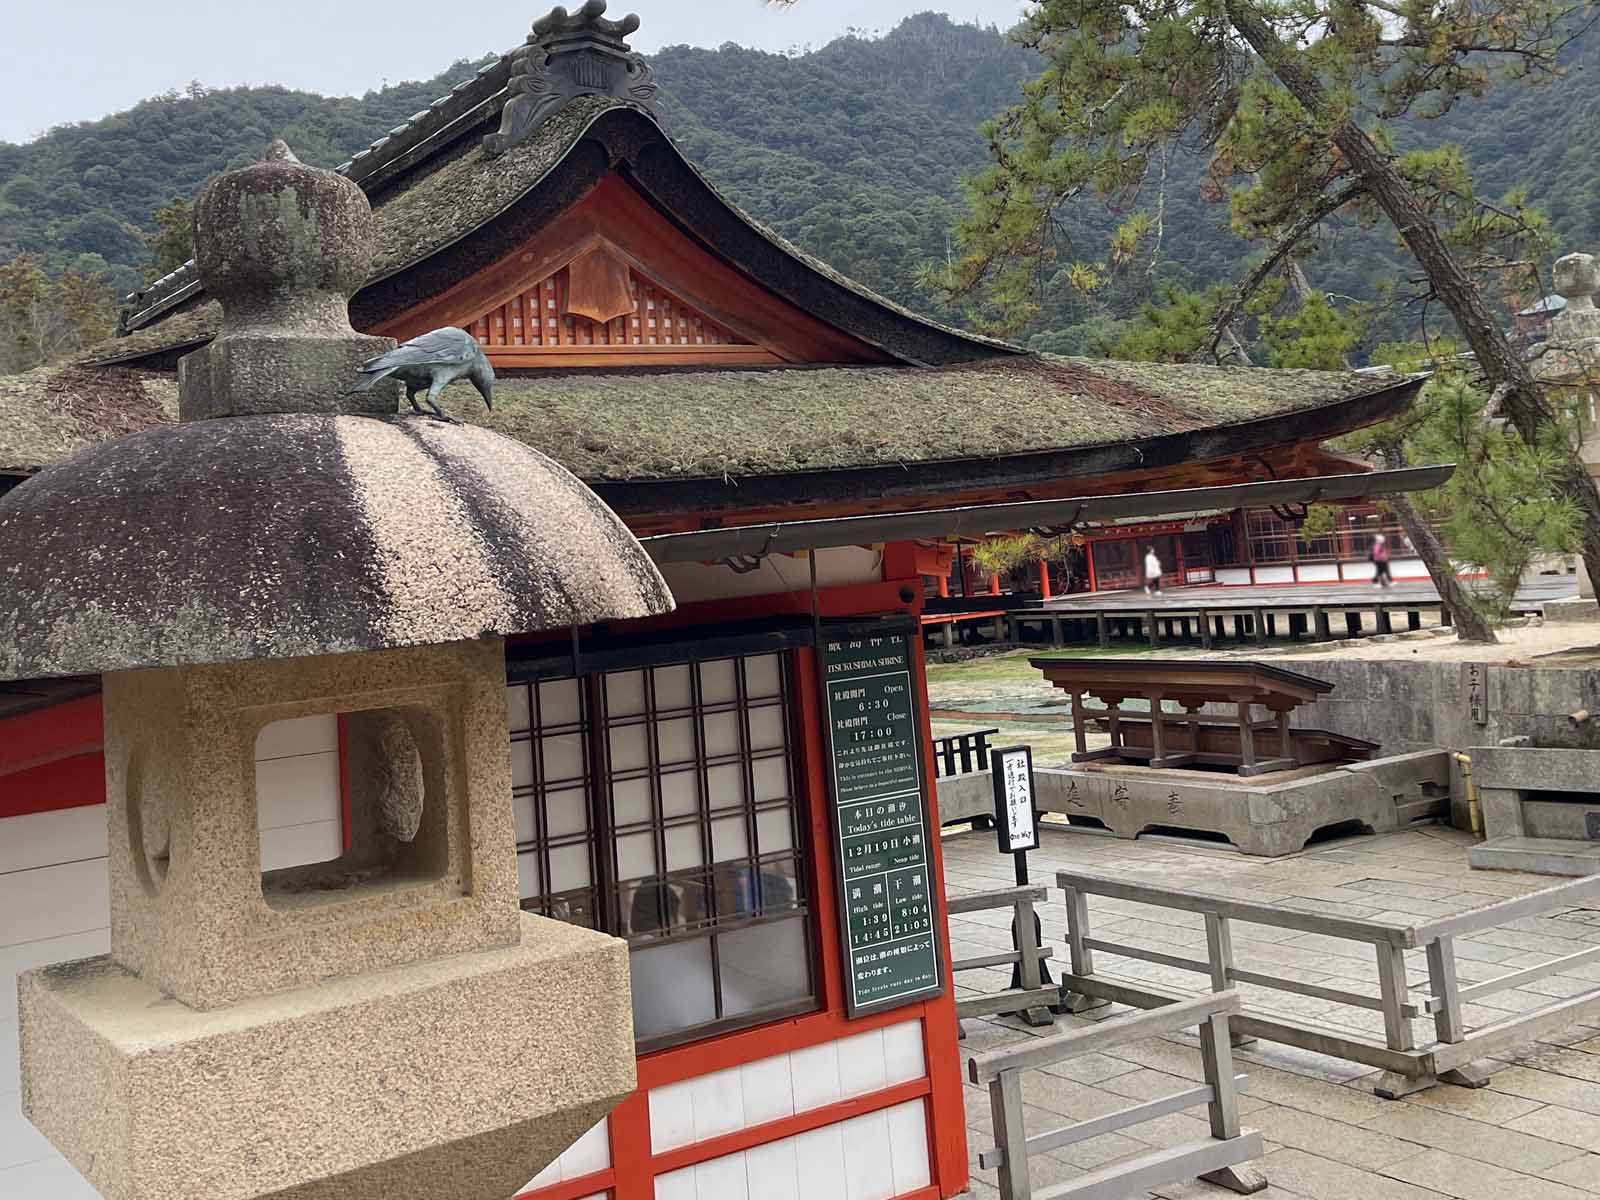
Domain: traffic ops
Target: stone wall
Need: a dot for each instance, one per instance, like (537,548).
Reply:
(1407,706)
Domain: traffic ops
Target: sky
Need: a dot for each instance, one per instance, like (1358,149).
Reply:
(77,60)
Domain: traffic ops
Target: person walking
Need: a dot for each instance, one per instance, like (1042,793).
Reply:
(1152,571)
(1379,557)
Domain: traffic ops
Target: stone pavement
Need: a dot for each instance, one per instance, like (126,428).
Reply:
(1533,1134)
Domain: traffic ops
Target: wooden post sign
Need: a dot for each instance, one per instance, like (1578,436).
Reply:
(880,820)
(1015,823)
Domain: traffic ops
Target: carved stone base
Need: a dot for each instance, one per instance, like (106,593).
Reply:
(458,1078)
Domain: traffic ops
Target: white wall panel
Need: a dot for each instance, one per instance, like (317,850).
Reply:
(1274,574)
(816,1076)
(903,1058)
(772,1171)
(822,1152)
(1233,575)
(861,1064)
(298,807)
(46,902)
(47,1179)
(868,1169)
(46,839)
(908,1146)
(718,1101)
(871,1157)
(836,567)
(671,1116)
(54,906)
(722,1179)
(10,1075)
(590,1153)
(768,1090)
(1319,572)
(299,735)
(676,1185)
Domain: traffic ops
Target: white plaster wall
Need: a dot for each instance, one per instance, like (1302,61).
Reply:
(1319,572)
(297,792)
(875,1156)
(1274,574)
(786,1084)
(590,1153)
(1233,575)
(837,567)
(55,906)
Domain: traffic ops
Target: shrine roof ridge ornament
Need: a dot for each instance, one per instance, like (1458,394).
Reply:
(583,45)
(569,55)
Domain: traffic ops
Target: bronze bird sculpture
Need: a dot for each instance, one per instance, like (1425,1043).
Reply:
(430,362)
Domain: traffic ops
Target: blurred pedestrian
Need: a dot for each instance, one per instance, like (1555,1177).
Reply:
(1152,571)
(1379,557)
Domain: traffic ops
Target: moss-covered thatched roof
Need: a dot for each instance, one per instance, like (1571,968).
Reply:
(637,426)
(729,424)
(50,412)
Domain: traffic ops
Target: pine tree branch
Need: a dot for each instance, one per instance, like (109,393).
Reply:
(1326,205)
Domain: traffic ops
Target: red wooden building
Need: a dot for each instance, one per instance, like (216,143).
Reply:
(795,445)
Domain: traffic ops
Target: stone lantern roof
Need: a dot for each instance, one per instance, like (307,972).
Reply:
(282,518)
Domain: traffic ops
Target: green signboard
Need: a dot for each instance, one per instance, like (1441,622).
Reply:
(880,820)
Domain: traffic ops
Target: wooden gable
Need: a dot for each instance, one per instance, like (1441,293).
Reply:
(612,282)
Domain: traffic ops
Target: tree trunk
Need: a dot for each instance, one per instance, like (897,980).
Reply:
(1470,624)
(1525,404)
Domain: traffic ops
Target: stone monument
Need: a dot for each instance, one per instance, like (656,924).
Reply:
(388,1023)
(1570,359)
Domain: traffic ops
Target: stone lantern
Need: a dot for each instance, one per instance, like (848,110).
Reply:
(388,1023)
(1571,359)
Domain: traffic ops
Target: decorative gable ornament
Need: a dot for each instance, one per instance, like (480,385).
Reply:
(568,56)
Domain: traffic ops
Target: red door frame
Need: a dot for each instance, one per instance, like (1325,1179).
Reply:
(634,1165)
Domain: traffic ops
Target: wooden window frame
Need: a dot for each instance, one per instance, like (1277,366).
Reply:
(594,726)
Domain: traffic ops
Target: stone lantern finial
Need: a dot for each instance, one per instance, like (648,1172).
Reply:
(283,246)
(386,1021)
(1577,277)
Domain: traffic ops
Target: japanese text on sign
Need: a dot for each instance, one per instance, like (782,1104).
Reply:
(880,821)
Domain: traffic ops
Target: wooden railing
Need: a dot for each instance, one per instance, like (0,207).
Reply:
(962,753)
(1216,1159)
(1032,1001)
(1452,1056)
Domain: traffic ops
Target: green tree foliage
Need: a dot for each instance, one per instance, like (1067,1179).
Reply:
(1287,103)
(1502,506)
(1013,553)
(854,151)
(171,242)
(43,317)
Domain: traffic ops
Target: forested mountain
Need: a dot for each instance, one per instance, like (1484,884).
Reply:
(854,151)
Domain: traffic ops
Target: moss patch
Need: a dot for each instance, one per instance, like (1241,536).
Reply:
(731,424)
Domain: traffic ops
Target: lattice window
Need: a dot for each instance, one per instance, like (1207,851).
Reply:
(542,316)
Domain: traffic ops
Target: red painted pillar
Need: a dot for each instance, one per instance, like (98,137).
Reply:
(1044,578)
(1088,557)
(944,585)
(994,585)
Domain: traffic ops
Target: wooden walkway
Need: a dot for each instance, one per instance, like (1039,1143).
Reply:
(1244,614)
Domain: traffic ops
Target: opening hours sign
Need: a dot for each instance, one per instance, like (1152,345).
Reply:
(880,820)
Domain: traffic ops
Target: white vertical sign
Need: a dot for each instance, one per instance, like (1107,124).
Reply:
(1012,769)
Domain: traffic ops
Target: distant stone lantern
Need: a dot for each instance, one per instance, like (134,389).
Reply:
(388,1023)
(1571,360)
